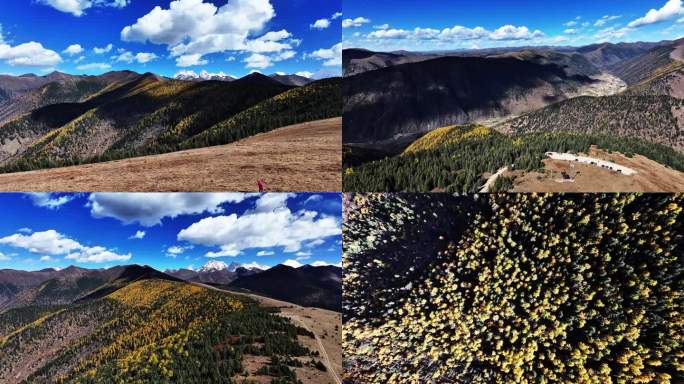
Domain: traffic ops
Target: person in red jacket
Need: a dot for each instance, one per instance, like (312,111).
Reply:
(261,185)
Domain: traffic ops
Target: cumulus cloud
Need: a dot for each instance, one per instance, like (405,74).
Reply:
(457,33)
(140,57)
(320,24)
(49,200)
(331,56)
(46,258)
(73,49)
(93,66)
(138,235)
(354,23)
(270,224)
(192,28)
(176,250)
(265,253)
(336,15)
(510,32)
(570,23)
(258,60)
(191,60)
(671,10)
(106,49)
(53,243)
(29,54)
(149,209)
(77,7)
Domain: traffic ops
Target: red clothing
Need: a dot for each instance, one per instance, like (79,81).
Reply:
(261,185)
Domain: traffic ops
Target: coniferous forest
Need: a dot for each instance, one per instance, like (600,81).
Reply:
(151,331)
(502,288)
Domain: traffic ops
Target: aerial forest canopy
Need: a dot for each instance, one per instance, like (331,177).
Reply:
(514,288)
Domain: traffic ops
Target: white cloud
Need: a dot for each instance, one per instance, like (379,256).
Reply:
(138,235)
(671,9)
(270,224)
(140,57)
(93,66)
(606,19)
(106,49)
(320,24)
(46,258)
(254,264)
(73,49)
(29,54)
(190,60)
(571,23)
(457,33)
(81,58)
(25,230)
(47,242)
(612,33)
(336,15)
(192,28)
(96,255)
(303,255)
(77,7)
(176,250)
(292,263)
(571,31)
(49,200)
(510,32)
(149,209)
(306,74)
(257,60)
(332,56)
(265,253)
(51,242)
(382,26)
(353,23)
(315,243)
(4,257)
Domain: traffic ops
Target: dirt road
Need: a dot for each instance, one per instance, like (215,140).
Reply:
(302,157)
(317,321)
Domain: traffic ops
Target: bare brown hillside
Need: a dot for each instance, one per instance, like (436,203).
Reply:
(302,157)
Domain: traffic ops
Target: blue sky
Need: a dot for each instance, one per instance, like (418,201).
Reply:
(462,24)
(163,36)
(168,231)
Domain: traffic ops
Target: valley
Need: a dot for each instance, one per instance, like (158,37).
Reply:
(446,121)
(302,157)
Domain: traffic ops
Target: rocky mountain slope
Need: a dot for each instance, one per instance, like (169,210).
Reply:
(418,97)
(307,285)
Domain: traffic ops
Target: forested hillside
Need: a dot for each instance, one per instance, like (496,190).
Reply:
(151,331)
(151,115)
(454,160)
(657,119)
(538,288)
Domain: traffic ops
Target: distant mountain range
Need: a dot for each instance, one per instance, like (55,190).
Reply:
(62,119)
(307,285)
(293,80)
(391,95)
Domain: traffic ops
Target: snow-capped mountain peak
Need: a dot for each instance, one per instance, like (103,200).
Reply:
(215,265)
(203,75)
